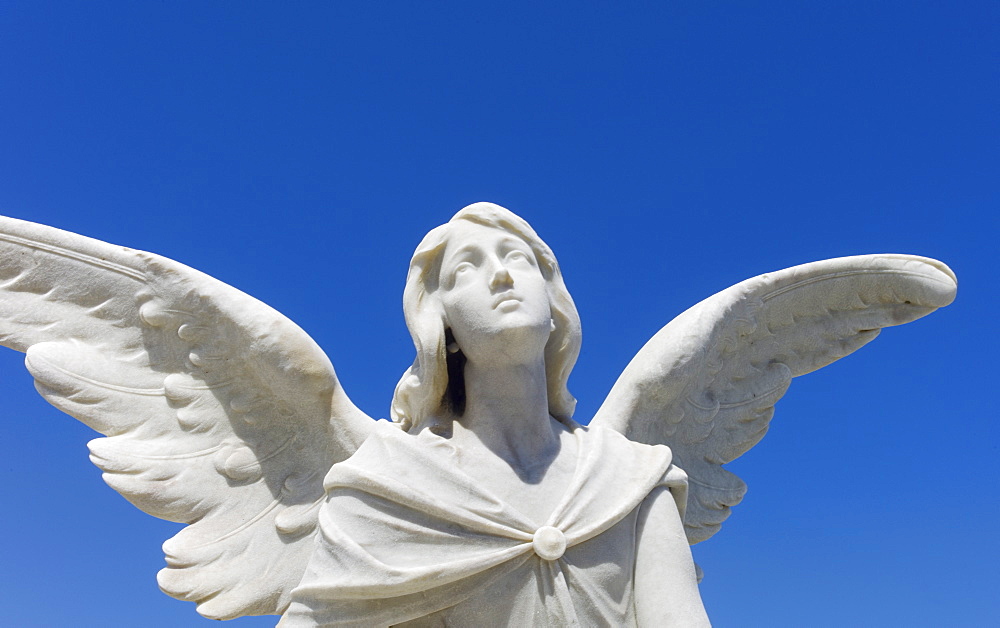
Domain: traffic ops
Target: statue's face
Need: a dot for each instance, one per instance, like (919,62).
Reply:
(494,296)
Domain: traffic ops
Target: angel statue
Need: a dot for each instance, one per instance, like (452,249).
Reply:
(482,502)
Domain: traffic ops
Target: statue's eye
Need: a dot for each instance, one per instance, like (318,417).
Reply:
(462,268)
(517,255)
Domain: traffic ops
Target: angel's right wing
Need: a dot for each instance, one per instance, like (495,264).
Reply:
(217,409)
(706,384)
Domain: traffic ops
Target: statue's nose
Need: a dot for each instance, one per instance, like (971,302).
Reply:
(501,278)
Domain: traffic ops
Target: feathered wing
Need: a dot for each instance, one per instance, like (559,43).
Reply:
(216,408)
(706,383)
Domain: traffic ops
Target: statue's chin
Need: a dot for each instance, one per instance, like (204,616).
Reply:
(510,340)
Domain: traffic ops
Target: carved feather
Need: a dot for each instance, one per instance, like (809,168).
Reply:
(706,383)
(217,409)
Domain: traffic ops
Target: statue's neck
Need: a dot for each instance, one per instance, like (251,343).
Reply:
(507,410)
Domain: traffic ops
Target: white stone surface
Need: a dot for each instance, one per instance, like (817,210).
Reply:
(220,413)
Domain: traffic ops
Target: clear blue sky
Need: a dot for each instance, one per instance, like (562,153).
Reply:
(299,151)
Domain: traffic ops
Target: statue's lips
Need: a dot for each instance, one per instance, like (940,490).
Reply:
(504,298)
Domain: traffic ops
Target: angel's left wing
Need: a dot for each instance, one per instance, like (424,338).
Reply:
(706,383)
(218,411)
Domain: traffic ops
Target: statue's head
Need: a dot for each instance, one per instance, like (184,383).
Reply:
(433,389)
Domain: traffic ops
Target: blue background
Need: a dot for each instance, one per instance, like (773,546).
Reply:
(299,151)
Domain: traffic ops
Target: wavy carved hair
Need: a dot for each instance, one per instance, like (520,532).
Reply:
(424,391)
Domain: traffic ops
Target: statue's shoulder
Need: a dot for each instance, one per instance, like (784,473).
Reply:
(608,454)
(614,443)
(389,451)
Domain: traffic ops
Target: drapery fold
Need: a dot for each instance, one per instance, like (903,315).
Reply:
(406,534)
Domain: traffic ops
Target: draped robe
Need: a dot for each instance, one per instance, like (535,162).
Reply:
(406,536)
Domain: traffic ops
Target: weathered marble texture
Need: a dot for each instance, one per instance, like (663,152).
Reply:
(220,413)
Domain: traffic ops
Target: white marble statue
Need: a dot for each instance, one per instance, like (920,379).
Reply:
(482,503)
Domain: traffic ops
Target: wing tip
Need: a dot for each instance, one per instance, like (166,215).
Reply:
(945,282)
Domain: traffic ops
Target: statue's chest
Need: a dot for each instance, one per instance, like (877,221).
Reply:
(534,495)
